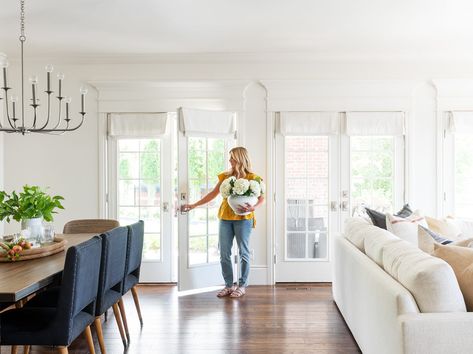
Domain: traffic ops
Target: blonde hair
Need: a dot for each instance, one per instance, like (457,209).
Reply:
(243,163)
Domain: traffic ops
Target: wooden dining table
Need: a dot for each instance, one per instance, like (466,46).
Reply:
(22,278)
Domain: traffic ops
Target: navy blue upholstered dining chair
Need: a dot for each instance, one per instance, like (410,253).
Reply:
(74,311)
(112,268)
(132,269)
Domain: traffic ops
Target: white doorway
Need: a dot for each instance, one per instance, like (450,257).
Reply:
(307,213)
(140,188)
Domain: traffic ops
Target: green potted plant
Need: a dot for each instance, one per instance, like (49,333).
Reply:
(31,207)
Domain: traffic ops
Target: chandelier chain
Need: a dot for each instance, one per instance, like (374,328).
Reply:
(22,21)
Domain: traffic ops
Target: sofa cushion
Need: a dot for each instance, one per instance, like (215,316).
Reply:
(430,280)
(445,227)
(405,228)
(461,260)
(355,232)
(375,241)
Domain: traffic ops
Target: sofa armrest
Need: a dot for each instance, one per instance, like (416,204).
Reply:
(433,333)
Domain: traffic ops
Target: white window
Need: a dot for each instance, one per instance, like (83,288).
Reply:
(139,189)
(458,164)
(376,150)
(206,159)
(372,178)
(307,183)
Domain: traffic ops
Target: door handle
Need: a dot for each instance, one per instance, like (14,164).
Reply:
(183,200)
(165,207)
(344,205)
(333,206)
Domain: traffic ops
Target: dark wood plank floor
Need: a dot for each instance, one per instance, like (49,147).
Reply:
(287,318)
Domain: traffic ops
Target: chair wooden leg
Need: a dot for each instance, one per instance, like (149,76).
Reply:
(63,350)
(14,349)
(90,341)
(118,319)
(26,349)
(137,304)
(121,306)
(98,328)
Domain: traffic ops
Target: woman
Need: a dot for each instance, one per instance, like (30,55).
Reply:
(233,225)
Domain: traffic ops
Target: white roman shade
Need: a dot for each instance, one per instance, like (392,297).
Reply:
(375,123)
(460,122)
(137,124)
(196,122)
(309,123)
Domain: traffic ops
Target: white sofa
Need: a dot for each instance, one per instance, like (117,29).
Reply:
(414,306)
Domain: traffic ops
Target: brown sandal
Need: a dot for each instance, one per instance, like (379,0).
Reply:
(225,292)
(238,292)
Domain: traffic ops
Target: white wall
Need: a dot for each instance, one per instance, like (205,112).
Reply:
(69,164)
(66,164)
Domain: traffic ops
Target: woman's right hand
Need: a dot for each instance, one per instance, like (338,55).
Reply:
(187,207)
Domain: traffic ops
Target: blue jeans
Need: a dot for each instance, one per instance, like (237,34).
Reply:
(241,229)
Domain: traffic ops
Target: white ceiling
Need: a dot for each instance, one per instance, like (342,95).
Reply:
(321,29)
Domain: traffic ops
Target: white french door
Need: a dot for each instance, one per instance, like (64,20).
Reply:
(320,181)
(201,159)
(140,177)
(307,213)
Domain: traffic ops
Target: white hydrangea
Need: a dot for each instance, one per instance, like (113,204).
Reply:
(225,188)
(241,186)
(263,187)
(255,188)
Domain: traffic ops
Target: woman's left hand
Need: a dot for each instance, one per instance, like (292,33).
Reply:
(246,208)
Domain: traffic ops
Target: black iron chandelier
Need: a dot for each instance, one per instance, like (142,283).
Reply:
(15,124)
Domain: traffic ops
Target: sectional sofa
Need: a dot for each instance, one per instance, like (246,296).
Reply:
(396,298)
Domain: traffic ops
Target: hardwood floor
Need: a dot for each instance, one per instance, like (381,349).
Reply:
(287,318)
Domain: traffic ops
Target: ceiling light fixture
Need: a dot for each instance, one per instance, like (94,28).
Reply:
(17,124)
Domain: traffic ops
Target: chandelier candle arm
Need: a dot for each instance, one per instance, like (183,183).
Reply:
(5,76)
(46,127)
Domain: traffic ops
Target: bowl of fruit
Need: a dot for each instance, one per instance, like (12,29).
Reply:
(22,249)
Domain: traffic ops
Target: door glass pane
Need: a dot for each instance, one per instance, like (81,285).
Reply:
(206,159)
(372,172)
(463,176)
(306,194)
(197,249)
(139,189)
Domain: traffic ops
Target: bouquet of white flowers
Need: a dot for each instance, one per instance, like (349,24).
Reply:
(242,187)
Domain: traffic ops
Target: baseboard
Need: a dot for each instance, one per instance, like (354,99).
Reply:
(258,275)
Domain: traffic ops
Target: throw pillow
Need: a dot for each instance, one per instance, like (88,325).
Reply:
(465,226)
(379,219)
(405,228)
(427,239)
(461,260)
(405,211)
(444,227)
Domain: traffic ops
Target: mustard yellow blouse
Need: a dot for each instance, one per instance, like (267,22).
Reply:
(225,212)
